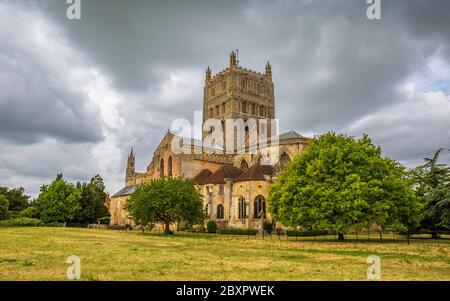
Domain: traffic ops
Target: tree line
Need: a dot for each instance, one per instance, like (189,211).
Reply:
(58,201)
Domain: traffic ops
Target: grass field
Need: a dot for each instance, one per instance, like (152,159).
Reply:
(41,253)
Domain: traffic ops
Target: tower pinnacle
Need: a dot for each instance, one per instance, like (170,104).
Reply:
(208,73)
(233,59)
(268,70)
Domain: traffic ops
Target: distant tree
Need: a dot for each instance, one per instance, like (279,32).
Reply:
(59,201)
(17,198)
(340,183)
(431,182)
(166,201)
(4,204)
(92,201)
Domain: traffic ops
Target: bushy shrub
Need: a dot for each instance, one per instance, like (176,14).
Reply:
(4,204)
(233,231)
(211,227)
(53,225)
(21,222)
(268,227)
(31,212)
(105,220)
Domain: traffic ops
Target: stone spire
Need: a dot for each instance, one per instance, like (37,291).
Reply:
(269,70)
(233,59)
(130,166)
(208,73)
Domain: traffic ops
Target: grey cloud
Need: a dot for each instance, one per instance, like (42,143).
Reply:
(37,97)
(333,69)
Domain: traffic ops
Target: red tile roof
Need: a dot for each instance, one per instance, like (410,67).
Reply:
(224,172)
(202,176)
(256,173)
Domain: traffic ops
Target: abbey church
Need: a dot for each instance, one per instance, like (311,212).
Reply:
(234,185)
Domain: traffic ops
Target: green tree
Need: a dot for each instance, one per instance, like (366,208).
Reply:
(30,212)
(59,201)
(340,183)
(4,204)
(92,201)
(431,182)
(17,198)
(166,201)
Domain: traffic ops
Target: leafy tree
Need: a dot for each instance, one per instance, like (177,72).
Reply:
(431,183)
(166,201)
(92,201)
(30,212)
(4,204)
(17,198)
(340,183)
(59,201)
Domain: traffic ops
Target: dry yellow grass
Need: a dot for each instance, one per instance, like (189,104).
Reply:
(41,253)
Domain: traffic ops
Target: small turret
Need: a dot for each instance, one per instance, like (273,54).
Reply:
(233,59)
(269,70)
(130,172)
(208,74)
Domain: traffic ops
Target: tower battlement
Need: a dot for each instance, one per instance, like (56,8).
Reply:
(237,92)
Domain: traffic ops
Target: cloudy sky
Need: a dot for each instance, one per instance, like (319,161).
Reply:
(75,95)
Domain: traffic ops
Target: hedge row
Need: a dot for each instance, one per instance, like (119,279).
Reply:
(232,231)
(22,222)
(309,233)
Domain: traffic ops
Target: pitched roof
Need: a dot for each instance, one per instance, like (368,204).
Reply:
(256,173)
(125,191)
(224,172)
(289,135)
(202,176)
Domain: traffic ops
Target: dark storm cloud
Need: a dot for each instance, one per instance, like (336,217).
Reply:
(37,95)
(333,70)
(328,57)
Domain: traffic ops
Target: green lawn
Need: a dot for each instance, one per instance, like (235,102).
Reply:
(41,253)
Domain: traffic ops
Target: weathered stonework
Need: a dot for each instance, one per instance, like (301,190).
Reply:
(233,185)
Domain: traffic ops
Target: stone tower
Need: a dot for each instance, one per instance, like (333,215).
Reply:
(131,168)
(238,93)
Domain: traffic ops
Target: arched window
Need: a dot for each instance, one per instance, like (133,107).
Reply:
(284,160)
(259,209)
(223,108)
(244,107)
(242,208)
(161,168)
(207,210)
(244,166)
(254,109)
(211,113)
(220,211)
(169,167)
